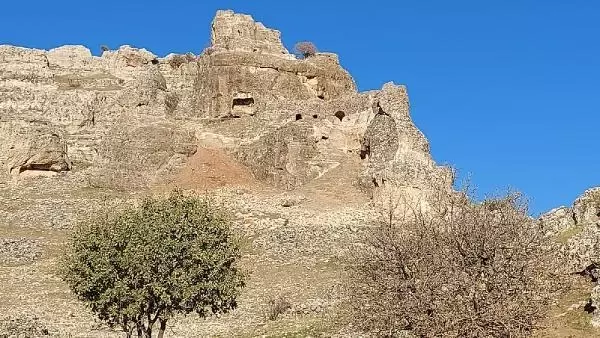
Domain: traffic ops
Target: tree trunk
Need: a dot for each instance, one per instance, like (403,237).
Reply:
(163,327)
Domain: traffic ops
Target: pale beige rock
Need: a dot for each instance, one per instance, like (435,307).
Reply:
(586,208)
(290,121)
(558,220)
(70,57)
(46,152)
(234,31)
(595,302)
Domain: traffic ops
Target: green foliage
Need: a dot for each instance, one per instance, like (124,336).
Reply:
(145,264)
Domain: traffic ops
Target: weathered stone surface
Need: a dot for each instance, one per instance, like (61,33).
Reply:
(289,120)
(283,156)
(585,214)
(586,209)
(239,31)
(59,110)
(128,123)
(396,151)
(557,220)
(69,57)
(595,303)
(45,152)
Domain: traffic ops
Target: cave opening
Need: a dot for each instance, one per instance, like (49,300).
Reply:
(243,101)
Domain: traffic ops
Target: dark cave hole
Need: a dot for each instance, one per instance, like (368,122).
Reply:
(340,115)
(247,101)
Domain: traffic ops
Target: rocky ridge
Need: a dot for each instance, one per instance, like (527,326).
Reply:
(578,229)
(128,118)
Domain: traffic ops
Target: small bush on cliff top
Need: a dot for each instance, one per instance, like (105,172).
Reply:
(145,264)
(458,270)
(305,49)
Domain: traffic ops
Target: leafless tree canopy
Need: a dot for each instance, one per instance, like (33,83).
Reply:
(305,49)
(458,269)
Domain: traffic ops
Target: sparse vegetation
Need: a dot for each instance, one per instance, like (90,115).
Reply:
(143,265)
(458,269)
(277,306)
(22,326)
(305,49)
(177,60)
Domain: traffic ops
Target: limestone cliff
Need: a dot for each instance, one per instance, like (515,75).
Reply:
(129,119)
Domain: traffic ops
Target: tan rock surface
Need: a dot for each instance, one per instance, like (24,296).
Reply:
(287,144)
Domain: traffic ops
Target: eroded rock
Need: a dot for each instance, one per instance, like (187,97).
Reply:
(586,209)
(43,153)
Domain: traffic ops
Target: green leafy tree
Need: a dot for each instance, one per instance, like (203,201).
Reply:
(142,265)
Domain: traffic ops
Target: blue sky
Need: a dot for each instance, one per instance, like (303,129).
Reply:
(508,91)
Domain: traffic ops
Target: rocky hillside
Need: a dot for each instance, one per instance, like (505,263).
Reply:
(128,119)
(288,144)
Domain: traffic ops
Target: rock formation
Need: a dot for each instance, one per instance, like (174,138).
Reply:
(579,228)
(128,118)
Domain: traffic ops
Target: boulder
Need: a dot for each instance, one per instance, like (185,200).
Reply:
(46,152)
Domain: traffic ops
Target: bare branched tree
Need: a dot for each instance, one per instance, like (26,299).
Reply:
(454,269)
(305,49)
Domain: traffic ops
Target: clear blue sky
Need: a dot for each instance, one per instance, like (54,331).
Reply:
(508,91)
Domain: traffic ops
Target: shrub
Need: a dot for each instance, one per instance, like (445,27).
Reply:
(143,265)
(305,49)
(189,57)
(104,48)
(458,269)
(177,60)
(277,306)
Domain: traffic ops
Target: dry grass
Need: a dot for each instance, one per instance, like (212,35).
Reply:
(567,317)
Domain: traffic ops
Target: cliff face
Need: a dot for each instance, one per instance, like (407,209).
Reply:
(65,111)
(127,118)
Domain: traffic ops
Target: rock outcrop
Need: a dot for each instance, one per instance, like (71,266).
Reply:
(578,228)
(66,110)
(585,213)
(128,118)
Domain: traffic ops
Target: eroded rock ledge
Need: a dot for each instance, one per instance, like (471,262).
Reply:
(129,118)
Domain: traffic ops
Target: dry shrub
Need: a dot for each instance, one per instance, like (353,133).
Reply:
(189,57)
(305,49)
(458,269)
(177,60)
(277,306)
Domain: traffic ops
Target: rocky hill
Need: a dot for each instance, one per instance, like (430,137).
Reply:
(287,143)
(128,119)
